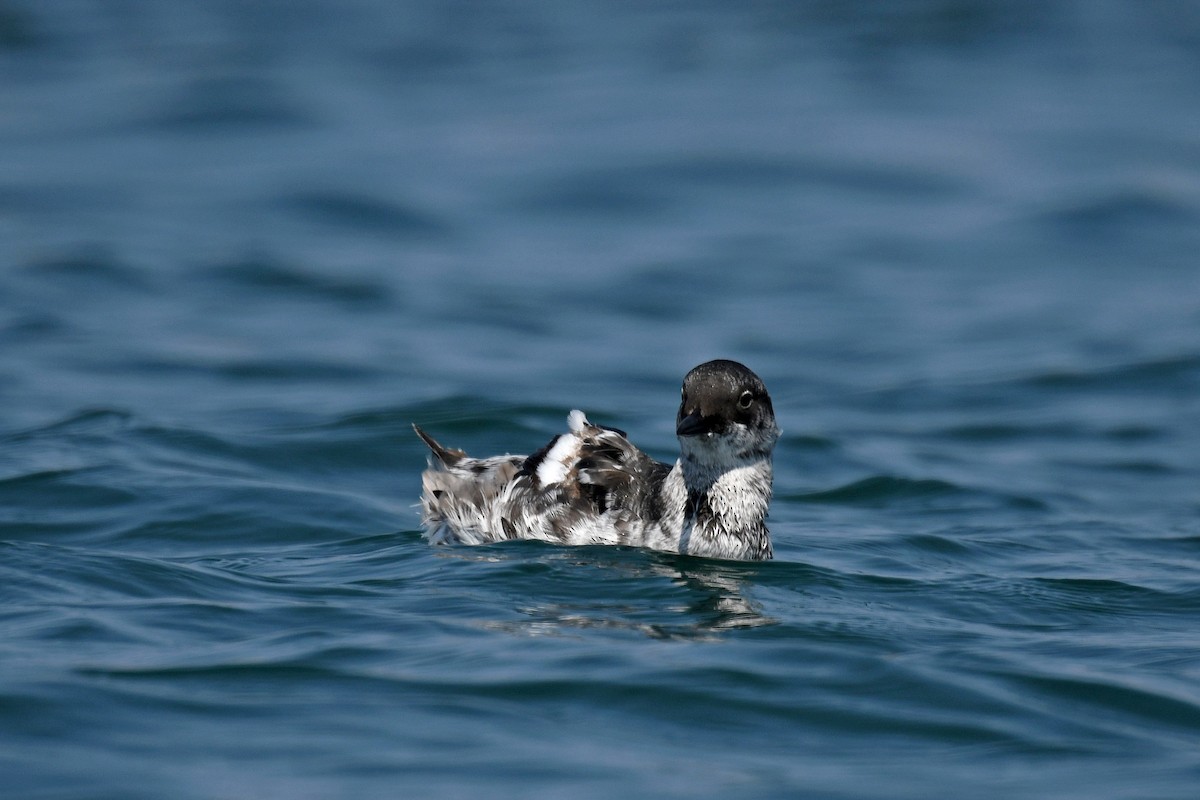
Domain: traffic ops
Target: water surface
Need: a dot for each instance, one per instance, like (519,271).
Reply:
(243,246)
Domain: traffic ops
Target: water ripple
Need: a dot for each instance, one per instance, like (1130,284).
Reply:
(363,213)
(887,490)
(276,278)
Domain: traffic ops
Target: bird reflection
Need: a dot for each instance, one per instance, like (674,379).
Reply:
(658,595)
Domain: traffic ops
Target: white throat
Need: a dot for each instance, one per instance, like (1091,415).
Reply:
(727,487)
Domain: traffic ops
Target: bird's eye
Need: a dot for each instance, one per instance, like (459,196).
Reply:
(745,400)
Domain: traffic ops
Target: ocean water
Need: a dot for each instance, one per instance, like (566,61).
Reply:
(244,245)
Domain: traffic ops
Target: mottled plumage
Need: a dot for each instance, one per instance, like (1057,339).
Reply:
(592,486)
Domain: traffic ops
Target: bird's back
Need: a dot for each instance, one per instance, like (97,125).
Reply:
(588,486)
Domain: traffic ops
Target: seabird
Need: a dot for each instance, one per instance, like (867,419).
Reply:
(591,485)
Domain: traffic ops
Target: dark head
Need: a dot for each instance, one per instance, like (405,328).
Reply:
(725,415)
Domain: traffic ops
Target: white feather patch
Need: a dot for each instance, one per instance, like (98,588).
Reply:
(553,468)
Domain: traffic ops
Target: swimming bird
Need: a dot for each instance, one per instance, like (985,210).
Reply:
(591,485)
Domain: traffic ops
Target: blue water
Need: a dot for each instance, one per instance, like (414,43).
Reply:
(243,245)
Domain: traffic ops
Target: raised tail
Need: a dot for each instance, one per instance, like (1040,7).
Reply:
(448,456)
